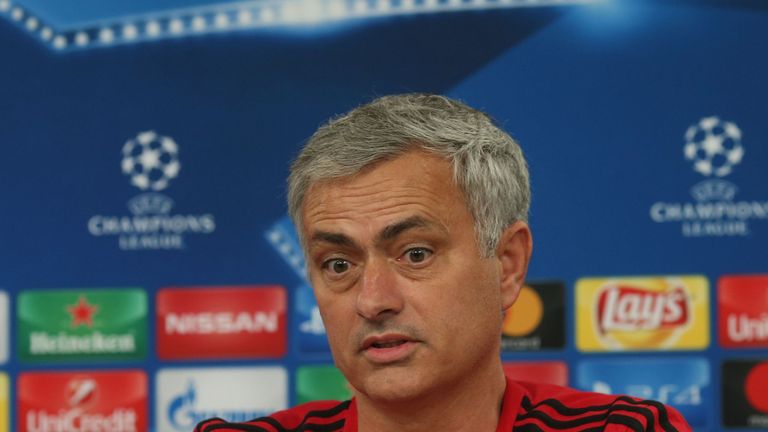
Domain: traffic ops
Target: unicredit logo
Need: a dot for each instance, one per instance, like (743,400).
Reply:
(75,420)
(93,402)
(743,310)
(744,328)
(81,390)
(625,308)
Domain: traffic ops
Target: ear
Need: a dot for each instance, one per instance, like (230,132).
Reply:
(514,254)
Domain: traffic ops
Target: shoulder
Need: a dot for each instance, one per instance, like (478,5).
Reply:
(328,416)
(545,407)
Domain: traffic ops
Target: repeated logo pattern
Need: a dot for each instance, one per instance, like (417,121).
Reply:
(537,319)
(221,322)
(106,401)
(743,311)
(185,396)
(683,383)
(744,399)
(69,325)
(640,314)
(250,322)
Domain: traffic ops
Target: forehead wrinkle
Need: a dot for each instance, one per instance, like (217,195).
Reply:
(362,204)
(395,229)
(338,239)
(339,205)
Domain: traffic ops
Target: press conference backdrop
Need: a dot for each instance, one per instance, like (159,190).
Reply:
(150,277)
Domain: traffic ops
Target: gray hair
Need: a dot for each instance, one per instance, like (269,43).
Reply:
(488,165)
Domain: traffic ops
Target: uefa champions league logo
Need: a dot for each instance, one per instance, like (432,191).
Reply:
(714,146)
(151,161)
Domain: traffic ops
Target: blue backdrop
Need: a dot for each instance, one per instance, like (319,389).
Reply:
(599,94)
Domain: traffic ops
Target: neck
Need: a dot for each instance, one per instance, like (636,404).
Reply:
(471,403)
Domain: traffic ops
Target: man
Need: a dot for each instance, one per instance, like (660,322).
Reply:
(412,213)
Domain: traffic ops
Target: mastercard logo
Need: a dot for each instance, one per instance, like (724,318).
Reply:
(755,387)
(525,315)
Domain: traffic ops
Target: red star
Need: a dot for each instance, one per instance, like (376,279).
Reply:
(82,312)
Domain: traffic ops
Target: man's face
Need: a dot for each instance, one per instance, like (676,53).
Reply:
(409,303)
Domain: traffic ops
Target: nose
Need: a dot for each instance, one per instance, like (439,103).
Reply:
(379,296)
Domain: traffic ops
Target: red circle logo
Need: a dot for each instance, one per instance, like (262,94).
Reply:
(756,385)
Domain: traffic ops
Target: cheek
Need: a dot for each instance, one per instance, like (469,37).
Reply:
(335,318)
(477,301)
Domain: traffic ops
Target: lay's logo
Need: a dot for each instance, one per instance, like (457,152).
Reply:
(627,314)
(627,308)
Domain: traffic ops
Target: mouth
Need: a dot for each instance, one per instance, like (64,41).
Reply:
(388,348)
(385,341)
(388,344)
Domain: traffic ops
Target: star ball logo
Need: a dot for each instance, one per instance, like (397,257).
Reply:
(82,325)
(151,161)
(714,147)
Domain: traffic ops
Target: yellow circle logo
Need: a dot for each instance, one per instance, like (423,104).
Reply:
(525,315)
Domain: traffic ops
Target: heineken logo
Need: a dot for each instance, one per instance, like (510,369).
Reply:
(82,325)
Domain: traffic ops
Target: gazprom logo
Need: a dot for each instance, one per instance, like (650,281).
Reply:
(186,396)
(183,413)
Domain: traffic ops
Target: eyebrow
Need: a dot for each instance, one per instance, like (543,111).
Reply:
(333,238)
(392,231)
(388,233)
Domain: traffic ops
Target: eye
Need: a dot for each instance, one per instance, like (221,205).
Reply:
(418,254)
(336,265)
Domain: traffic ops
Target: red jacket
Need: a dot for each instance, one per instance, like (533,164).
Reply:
(526,407)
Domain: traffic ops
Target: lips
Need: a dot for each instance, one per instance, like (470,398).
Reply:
(385,341)
(388,344)
(388,348)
